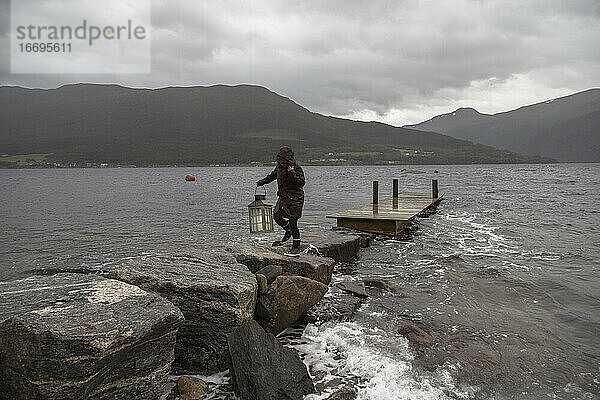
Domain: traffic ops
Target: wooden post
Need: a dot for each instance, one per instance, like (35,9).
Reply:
(395,194)
(434,188)
(375,197)
(375,192)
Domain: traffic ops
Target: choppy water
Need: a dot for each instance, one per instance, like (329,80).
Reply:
(504,275)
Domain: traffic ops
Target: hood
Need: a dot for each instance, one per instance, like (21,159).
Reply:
(285,157)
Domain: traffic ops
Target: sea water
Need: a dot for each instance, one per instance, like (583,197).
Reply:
(504,275)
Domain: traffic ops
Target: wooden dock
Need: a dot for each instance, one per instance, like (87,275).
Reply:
(389,216)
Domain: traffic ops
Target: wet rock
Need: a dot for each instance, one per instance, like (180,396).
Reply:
(75,336)
(286,300)
(336,306)
(172,394)
(365,238)
(327,384)
(379,284)
(261,312)
(270,272)
(262,369)
(190,388)
(416,335)
(342,247)
(262,283)
(343,394)
(307,265)
(215,293)
(357,288)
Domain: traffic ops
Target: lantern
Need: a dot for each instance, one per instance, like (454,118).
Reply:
(261,214)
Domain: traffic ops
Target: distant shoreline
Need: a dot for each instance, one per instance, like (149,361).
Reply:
(272,165)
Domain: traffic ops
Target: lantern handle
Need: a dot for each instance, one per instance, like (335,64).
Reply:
(256,188)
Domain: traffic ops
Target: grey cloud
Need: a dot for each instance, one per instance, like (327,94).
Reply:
(376,58)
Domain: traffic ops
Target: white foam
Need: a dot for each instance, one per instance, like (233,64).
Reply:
(476,238)
(380,361)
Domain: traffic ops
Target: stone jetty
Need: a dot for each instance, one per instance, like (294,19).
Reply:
(85,336)
(75,336)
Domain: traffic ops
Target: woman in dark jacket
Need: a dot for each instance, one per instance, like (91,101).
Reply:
(290,180)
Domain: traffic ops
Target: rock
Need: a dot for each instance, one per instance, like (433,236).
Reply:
(172,394)
(357,288)
(343,394)
(270,272)
(307,265)
(215,294)
(286,300)
(339,246)
(261,312)
(416,335)
(76,336)
(338,307)
(326,384)
(262,283)
(365,237)
(379,284)
(190,388)
(262,369)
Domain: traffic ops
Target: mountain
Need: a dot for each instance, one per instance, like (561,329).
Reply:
(566,128)
(207,125)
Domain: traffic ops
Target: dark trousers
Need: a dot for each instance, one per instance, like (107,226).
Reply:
(292,222)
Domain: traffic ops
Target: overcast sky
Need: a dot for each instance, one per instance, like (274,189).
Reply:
(398,62)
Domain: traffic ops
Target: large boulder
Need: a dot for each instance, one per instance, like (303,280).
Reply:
(307,265)
(286,299)
(215,293)
(75,336)
(342,247)
(262,369)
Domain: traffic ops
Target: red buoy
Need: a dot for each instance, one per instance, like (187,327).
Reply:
(435,172)
(190,178)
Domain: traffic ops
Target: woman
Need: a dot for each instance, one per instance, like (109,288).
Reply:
(290,180)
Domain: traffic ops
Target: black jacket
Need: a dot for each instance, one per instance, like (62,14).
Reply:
(289,184)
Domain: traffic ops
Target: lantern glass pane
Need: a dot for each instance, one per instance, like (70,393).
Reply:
(264,220)
(252,213)
(270,219)
(261,218)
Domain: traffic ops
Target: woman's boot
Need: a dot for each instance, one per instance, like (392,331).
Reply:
(295,250)
(286,236)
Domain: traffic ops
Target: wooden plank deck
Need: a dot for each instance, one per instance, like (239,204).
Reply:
(389,216)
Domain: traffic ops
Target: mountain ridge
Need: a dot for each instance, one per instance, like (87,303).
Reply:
(202,125)
(566,128)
